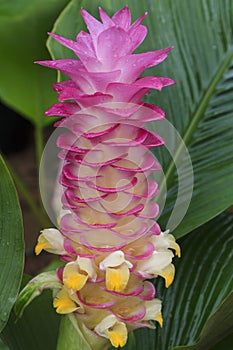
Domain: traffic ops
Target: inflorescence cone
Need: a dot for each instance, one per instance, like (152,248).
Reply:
(107,234)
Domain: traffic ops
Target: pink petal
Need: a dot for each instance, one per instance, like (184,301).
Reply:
(136,314)
(137,35)
(134,65)
(148,113)
(154,82)
(138,289)
(114,189)
(85,45)
(153,140)
(149,163)
(61,86)
(147,252)
(71,196)
(93,100)
(68,66)
(139,20)
(122,18)
(64,109)
(106,20)
(148,292)
(126,92)
(101,249)
(68,141)
(98,80)
(151,210)
(139,139)
(66,42)
(112,44)
(94,26)
(150,191)
(137,209)
(105,305)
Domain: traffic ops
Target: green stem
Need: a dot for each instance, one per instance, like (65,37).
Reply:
(37,211)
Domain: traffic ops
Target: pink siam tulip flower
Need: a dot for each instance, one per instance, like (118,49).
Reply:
(108,236)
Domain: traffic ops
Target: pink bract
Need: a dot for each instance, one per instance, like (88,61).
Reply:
(108,228)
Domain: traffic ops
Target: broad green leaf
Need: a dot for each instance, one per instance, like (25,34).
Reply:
(199,106)
(3,346)
(11,244)
(197,308)
(218,325)
(203,64)
(25,86)
(37,329)
(225,344)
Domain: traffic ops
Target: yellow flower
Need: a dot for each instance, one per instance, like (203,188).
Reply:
(66,302)
(76,274)
(113,330)
(117,271)
(50,240)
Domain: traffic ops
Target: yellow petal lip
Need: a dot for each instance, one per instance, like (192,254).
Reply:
(176,247)
(159,318)
(113,330)
(76,274)
(118,335)
(50,240)
(39,247)
(75,281)
(117,278)
(168,274)
(63,303)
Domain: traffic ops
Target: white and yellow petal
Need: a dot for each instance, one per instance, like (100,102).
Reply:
(65,303)
(165,241)
(156,262)
(113,330)
(153,311)
(50,240)
(117,278)
(168,273)
(114,259)
(76,273)
(117,271)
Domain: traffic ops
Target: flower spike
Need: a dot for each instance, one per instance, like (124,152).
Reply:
(107,236)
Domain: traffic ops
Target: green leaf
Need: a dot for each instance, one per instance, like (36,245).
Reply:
(202,65)
(45,280)
(74,336)
(37,329)
(225,344)
(200,105)
(25,86)
(70,336)
(11,244)
(198,307)
(217,326)
(3,346)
